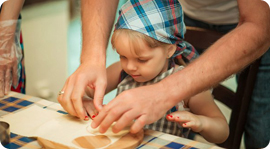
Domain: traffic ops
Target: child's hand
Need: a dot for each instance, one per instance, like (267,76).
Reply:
(186,120)
(89,107)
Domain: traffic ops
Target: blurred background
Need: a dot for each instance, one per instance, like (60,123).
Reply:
(52,40)
(51,32)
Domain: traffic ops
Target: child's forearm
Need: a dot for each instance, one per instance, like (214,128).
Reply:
(113,72)
(215,129)
(90,92)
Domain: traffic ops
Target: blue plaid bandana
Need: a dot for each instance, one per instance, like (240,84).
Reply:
(159,19)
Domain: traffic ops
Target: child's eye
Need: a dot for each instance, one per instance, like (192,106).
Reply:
(142,60)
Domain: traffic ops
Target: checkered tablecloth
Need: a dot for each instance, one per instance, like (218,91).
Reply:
(15,102)
(17,141)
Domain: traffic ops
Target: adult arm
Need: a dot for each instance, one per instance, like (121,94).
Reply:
(97,20)
(230,54)
(10,51)
(11,10)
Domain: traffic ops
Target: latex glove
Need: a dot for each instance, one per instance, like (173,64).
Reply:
(144,104)
(89,74)
(10,55)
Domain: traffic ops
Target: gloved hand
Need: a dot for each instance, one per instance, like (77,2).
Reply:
(10,55)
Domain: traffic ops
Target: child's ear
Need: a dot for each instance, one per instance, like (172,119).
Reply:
(171,49)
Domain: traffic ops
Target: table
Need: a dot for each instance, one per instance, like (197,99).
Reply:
(15,102)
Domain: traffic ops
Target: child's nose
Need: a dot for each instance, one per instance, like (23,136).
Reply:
(131,66)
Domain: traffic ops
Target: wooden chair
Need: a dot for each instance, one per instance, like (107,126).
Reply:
(237,101)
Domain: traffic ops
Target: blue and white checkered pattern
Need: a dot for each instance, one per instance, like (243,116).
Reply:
(160,19)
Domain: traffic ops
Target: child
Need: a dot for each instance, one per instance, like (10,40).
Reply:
(148,36)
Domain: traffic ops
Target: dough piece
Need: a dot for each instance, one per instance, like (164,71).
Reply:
(109,132)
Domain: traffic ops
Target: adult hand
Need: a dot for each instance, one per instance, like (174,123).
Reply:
(144,104)
(88,74)
(10,55)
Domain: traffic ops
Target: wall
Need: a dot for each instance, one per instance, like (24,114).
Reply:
(44,28)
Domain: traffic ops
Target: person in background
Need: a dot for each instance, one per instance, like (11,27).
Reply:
(12,74)
(225,57)
(224,18)
(147,54)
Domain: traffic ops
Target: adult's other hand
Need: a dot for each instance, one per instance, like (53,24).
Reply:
(88,74)
(143,104)
(10,55)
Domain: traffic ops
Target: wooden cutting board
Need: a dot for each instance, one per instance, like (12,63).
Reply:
(127,141)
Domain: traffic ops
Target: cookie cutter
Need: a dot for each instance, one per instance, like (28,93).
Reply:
(4,133)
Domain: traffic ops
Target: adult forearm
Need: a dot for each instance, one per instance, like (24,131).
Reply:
(97,20)
(229,55)
(11,10)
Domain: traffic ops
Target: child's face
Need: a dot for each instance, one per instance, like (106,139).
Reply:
(144,66)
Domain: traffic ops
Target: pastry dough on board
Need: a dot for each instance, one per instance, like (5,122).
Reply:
(109,132)
(58,128)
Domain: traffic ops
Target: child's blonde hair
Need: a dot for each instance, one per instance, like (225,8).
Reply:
(134,37)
